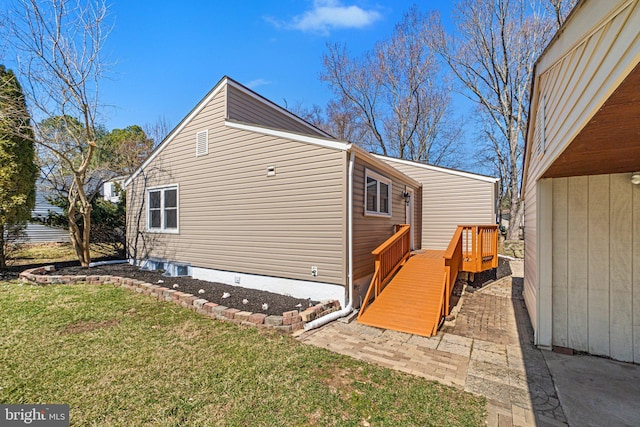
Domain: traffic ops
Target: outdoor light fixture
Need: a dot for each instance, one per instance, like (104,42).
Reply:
(407,195)
(635,178)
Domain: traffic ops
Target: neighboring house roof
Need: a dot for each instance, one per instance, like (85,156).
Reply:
(449,171)
(313,131)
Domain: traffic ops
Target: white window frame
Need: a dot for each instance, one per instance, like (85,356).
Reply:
(162,228)
(379,179)
(206,143)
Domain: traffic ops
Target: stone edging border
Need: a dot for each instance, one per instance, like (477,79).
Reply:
(289,321)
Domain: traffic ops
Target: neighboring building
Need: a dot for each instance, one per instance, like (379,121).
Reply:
(582,198)
(244,192)
(112,189)
(449,198)
(37,231)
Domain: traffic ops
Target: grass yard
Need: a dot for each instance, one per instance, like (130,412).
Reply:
(120,358)
(42,253)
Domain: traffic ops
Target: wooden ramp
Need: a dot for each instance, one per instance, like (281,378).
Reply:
(412,301)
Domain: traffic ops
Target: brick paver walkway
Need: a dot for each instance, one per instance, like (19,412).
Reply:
(487,350)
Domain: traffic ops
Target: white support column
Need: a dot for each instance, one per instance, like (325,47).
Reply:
(544,235)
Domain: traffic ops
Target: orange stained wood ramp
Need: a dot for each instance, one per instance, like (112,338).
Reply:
(412,301)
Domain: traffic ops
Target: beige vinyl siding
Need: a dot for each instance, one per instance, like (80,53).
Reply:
(247,109)
(596,286)
(449,200)
(233,217)
(370,231)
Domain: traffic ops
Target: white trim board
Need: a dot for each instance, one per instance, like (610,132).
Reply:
(322,142)
(438,169)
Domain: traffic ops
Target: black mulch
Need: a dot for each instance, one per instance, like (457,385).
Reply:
(212,292)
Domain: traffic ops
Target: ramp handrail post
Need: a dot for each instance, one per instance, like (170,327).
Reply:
(390,256)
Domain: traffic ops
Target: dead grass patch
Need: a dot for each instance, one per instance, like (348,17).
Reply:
(88,326)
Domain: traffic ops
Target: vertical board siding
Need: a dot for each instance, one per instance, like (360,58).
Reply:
(598,269)
(635,268)
(233,217)
(598,47)
(620,268)
(245,108)
(560,253)
(577,264)
(599,266)
(449,200)
(370,231)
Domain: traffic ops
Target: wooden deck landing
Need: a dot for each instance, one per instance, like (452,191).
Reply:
(411,302)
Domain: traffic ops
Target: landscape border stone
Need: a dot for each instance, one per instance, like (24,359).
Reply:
(289,321)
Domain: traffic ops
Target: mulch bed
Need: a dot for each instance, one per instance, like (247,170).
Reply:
(484,277)
(244,299)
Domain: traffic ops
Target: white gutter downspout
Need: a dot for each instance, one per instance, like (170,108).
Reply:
(349,308)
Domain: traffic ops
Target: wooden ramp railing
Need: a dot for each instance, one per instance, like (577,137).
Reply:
(426,281)
(480,244)
(390,256)
(472,249)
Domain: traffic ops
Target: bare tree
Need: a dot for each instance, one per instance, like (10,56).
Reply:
(58,46)
(342,122)
(157,130)
(493,53)
(558,10)
(397,92)
(312,115)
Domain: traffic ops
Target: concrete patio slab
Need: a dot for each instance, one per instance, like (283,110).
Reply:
(594,391)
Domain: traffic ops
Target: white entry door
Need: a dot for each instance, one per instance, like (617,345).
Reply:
(409,215)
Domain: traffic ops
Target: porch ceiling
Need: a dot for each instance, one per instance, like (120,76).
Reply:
(610,142)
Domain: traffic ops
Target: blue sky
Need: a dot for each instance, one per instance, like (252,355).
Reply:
(167,55)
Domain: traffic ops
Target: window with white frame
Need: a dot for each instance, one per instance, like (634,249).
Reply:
(377,194)
(162,209)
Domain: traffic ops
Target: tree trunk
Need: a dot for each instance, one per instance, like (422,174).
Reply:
(80,239)
(86,233)
(515,213)
(515,219)
(3,255)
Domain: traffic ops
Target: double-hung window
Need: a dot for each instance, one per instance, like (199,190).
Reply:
(162,209)
(377,194)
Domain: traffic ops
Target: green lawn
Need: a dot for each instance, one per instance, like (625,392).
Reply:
(120,358)
(43,253)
